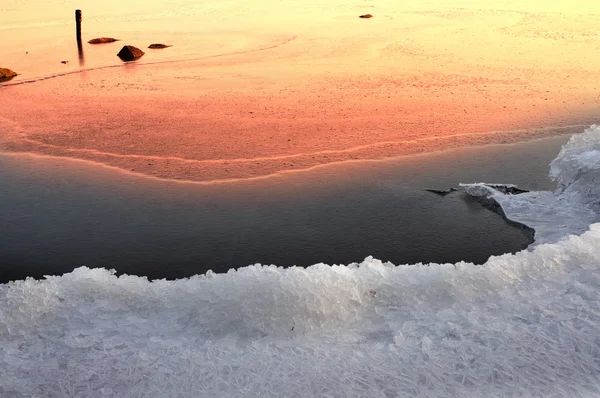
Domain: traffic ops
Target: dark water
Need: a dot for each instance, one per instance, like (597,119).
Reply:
(59,215)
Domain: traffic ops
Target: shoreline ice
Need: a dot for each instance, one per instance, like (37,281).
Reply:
(572,207)
(519,325)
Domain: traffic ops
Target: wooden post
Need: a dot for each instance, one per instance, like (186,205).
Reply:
(79,43)
(78,22)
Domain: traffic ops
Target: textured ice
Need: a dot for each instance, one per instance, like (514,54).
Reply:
(522,325)
(572,207)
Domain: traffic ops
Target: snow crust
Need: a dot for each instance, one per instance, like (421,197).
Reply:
(522,325)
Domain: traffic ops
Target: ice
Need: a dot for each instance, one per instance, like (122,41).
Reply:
(520,325)
(572,207)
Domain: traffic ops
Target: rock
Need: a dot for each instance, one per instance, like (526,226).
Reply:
(130,53)
(101,40)
(507,189)
(441,192)
(64,62)
(491,204)
(158,45)
(6,74)
(366,16)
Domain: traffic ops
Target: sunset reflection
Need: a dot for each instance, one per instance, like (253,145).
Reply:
(302,88)
(300,198)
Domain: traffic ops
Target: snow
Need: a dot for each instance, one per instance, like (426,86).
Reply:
(520,325)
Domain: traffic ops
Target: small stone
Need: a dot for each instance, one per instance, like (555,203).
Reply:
(101,40)
(64,62)
(158,45)
(366,16)
(130,53)
(6,74)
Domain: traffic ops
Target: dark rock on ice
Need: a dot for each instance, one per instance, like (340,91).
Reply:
(507,189)
(6,74)
(491,204)
(101,40)
(441,192)
(130,53)
(158,45)
(366,16)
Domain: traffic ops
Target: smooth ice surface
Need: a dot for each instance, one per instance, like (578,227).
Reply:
(520,325)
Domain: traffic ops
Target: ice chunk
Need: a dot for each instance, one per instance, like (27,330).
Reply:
(572,207)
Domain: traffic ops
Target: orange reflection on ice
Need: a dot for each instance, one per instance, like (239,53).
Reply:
(240,96)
